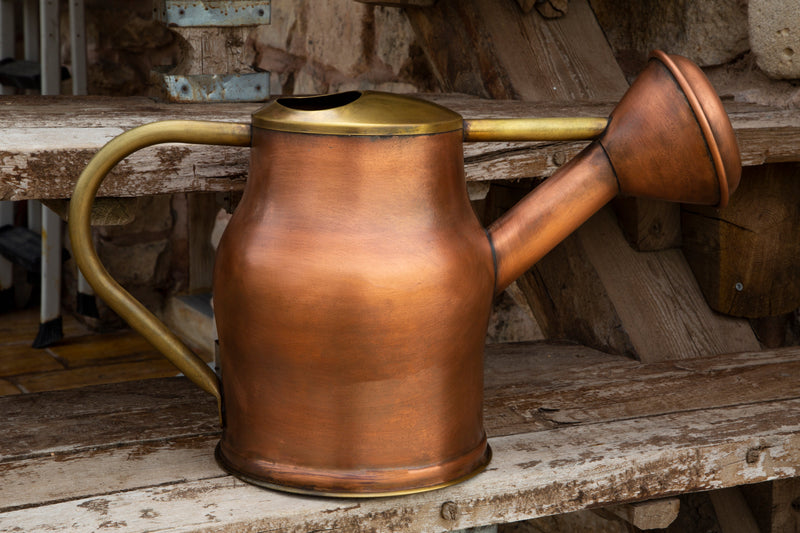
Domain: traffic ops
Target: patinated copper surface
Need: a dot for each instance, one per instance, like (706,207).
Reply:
(352,291)
(353,284)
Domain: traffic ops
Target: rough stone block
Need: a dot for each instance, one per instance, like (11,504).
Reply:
(329,45)
(709,33)
(775,37)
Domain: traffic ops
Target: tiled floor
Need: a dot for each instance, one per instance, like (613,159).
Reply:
(81,358)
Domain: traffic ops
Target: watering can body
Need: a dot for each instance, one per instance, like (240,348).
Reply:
(353,285)
(352,292)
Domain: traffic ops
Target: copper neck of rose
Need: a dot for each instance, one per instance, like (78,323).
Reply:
(552,211)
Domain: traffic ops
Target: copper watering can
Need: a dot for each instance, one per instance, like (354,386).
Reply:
(353,285)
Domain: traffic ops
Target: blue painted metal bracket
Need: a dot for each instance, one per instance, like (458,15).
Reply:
(213,13)
(247,87)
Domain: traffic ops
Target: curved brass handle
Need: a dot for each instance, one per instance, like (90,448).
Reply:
(133,312)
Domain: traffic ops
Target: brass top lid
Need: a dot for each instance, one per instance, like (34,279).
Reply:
(357,113)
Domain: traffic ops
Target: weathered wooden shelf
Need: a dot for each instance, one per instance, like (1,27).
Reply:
(571,428)
(45,142)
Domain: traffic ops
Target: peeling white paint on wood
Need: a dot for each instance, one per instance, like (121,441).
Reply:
(531,475)
(571,428)
(58,139)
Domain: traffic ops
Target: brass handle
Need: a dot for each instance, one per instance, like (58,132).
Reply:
(131,310)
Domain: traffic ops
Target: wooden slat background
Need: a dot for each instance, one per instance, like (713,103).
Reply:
(45,142)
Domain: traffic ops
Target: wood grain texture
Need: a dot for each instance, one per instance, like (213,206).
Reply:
(783,510)
(23,359)
(658,299)
(649,225)
(732,512)
(493,50)
(569,301)
(76,127)
(774,504)
(742,255)
(652,514)
(8,388)
(595,289)
(138,456)
(56,137)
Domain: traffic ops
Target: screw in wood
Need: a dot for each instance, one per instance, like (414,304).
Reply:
(450,511)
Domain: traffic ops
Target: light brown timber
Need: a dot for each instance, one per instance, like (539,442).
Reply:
(651,514)
(746,256)
(568,425)
(493,50)
(56,137)
(733,513)
(600,292)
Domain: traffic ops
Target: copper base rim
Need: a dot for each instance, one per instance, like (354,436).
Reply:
(334,492)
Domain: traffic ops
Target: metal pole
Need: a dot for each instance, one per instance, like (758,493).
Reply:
(77,37)
(86,304)
(30,24)
(6,266)
(6,208)
(6,36)
(50,327)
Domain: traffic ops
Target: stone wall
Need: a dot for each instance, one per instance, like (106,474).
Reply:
(321,46)
(746,47)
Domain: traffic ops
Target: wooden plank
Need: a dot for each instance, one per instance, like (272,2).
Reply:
(60,141)
(535,385)
(775,504)
(22,359)
(151,367)
(645,305)
(567,425)
(591,521)
(192,319)
(659,300)
(491,49)
(103,416)
(543,392)
(76,127)
(533,474)
(648,224)
(740,255)
(7,388)
(732,512)
(784,509)
(114,347)
(95,471)
(652,514)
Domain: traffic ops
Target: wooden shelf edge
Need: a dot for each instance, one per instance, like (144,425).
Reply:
(58,139)
(595,430)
